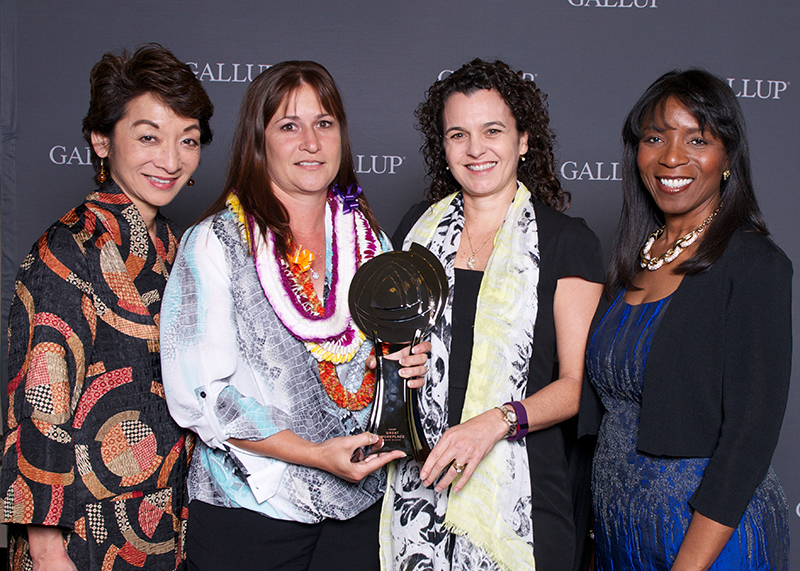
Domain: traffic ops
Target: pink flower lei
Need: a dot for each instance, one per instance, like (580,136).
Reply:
(333,336)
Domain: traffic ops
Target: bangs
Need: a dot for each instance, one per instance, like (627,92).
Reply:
(654,116)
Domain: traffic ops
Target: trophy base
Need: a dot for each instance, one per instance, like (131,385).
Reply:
(395,413)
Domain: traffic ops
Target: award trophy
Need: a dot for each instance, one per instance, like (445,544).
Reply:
(397,298)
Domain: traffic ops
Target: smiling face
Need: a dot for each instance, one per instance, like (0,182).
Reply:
(681,166)
(303,145)
(481,142)
(152,153)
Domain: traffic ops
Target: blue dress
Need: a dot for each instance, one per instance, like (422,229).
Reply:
(641,501)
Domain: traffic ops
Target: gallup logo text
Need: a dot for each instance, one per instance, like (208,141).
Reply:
(573,170)
(761,88)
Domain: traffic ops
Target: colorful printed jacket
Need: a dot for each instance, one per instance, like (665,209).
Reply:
(90,446)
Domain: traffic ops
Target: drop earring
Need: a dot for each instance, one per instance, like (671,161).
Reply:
(101,176)
(190,182)
(726,175)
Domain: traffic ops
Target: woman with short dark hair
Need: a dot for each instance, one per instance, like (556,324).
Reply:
(261,356)
(94,472)
(692,359)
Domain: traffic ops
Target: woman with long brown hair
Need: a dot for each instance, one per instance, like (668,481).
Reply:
(261,357)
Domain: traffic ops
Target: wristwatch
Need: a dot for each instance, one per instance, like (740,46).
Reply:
(510,417)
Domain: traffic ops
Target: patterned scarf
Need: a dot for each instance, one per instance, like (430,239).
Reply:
(490,518)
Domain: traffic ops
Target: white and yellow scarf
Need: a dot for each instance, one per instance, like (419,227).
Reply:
(490,519)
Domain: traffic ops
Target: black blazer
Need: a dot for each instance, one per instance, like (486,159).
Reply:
(716,379)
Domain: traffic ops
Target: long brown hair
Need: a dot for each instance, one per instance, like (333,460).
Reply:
(248,172)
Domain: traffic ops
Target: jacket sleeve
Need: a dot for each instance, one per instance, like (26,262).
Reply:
(50,339)
(757,367)
(199,347)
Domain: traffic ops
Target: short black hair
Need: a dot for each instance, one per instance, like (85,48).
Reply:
(119,78)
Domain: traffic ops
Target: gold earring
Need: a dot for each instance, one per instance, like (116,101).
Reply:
(101,176)
(726,175)
(190,182)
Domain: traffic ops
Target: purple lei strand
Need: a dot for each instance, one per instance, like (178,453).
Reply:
(371,248)
(287,280)
(290,285)
(294,289)
(330,303)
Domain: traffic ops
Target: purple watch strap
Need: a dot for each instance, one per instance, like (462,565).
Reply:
(522,420)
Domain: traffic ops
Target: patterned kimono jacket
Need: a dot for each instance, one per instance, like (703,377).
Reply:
(90,445)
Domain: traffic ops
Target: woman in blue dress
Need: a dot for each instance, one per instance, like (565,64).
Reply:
(689,360)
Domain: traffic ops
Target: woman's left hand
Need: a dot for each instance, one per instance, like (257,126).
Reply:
(465,444)
(414,368)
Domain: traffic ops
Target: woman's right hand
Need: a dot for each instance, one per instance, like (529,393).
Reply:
(47,549)
(335,456)
(466,444)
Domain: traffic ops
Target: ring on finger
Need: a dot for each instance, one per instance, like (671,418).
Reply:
(459,467)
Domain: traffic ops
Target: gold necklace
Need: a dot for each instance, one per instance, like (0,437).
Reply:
(649,263)
(472,262)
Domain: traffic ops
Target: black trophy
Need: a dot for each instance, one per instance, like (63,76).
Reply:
(397,298)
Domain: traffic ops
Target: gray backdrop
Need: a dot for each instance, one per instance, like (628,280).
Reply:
(592,57)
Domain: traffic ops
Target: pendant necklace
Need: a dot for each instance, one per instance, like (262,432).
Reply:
(472,262)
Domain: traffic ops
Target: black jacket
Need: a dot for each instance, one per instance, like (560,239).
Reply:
(716,379)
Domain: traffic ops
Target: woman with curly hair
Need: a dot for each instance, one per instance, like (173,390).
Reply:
(524,284)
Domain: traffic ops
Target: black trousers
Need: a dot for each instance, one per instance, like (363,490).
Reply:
(242,540)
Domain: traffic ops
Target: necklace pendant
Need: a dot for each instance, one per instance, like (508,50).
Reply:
(471,262)
(314,275)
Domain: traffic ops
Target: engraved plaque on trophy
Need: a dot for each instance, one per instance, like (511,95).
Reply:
(396,299)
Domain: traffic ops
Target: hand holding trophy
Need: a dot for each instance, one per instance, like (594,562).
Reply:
(395,299)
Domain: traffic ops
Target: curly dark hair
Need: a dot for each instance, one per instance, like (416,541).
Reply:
(248,171)
(119,78)
(715,107)
(527,105)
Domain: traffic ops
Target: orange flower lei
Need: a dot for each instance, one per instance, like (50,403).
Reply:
(327,370)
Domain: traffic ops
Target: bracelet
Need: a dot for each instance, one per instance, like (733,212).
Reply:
(522,420)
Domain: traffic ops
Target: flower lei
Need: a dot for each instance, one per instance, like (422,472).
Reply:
(327,370)
(328,332)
